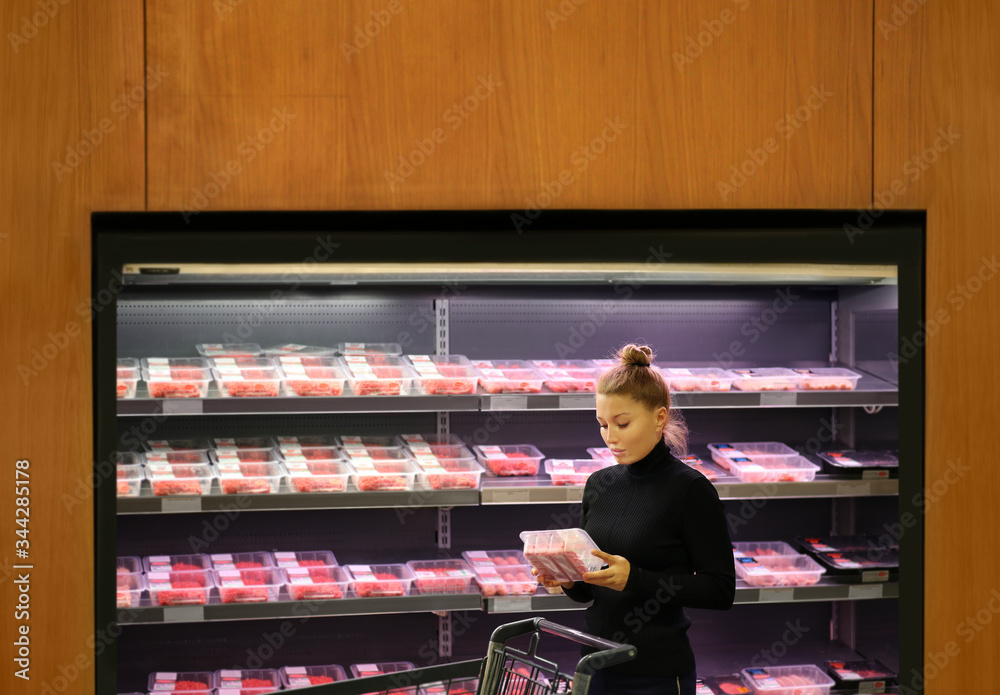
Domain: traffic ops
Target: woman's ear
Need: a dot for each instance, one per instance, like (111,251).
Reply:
(662,417)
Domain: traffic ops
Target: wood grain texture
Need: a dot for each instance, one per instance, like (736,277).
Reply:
(59,84)
(936,68)
(389,105)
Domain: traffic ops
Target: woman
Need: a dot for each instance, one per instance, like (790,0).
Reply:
(662,532)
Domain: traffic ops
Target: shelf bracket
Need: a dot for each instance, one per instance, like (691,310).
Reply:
(444,527)
(834,331)
(444,634)
(441,337)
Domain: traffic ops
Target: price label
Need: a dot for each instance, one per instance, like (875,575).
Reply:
(858,591)
(782,594)
(577,401)
(508,403)
(853,489)
(778,398)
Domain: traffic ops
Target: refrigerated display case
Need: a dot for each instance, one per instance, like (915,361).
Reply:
(412,293)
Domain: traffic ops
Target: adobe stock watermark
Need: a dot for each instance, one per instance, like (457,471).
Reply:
(30,26)
(901,13)
(913,169)
(120,108)
(562,12)
(757,326)
(957,297)
(695,46)
(247,151)
(786,127)
(365,33)
(455,116)
(580,159)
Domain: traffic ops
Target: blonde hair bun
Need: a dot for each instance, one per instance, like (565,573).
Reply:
(635,355)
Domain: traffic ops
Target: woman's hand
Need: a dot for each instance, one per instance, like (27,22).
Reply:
(614,577)
(549,583)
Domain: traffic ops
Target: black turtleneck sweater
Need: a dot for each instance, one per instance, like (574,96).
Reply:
(666,519)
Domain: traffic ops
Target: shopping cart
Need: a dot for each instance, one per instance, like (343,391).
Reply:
(504,671)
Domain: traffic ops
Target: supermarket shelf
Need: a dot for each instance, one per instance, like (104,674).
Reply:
(285,500)
(871,392)
(145,615)
(532,604)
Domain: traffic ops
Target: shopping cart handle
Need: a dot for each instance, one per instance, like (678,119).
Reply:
(575,635)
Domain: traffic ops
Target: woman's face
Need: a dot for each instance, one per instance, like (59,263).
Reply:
(628,427)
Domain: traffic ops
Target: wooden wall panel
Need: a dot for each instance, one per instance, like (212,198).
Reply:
(937,141)
(60,77)
(363,105)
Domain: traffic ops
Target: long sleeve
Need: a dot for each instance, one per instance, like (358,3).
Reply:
(581,592)
(706,539)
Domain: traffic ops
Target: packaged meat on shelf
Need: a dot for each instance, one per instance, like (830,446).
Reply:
(443,374)
(255,377)
(237,478)
(376,349)
(768,470)
(828,379)
(304,559)
(230,443)
(867,565)
(384,473)
(508,376)
(860,464)
(784,570)
(211,350)
(246,682)
(510,459)
(317,583)
(772,452)
(312,376)
(378,376)
(381,580)
(301,442)
(573,471)
(838,544)
(187,681)
(601,453)
(424,441)
(764,549)
(249,585)
(562,554)
(128,373)
(765,379)
(441,576)
(316,475)
(697,378)
(177,445)
(127,458)
(303,676)
(709,470)
(130,586)
(456,470)
(804,679)
(311,453)
(176,377)
(860,676)
(289,349)
(241,561)
(192,457)
(225,456)
(167,479)
(501,572)
(574,380)
(732,684)
(129,480)
(196,562)
(369,442)
(179,588)
(382,669)
(459,686)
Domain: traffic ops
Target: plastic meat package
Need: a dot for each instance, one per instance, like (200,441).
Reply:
(303,676)
(312,376)
(764,549)
(573,471)
(441,576)
(187,681)
(732,684)
(862,675)
(128,374)
(767,470)
(451,473)
(248,478)
(571,380)
(249,585)
(698,378)
(378,376)
(294,349)
(765,379)
(179,588)
(317,583)
(383,475)
(443,374)
(860,464)
(709,470)
(786,570)
(317,475)
(803,679)
(168,479)
(177,445)
(459,686)
(368,670)
(501,572)
(509,379)
(247,377)
(381,580)
(376,349)
(564,555)
(184,377)
(828,379)
(509,459)
(212,350)
(247,682)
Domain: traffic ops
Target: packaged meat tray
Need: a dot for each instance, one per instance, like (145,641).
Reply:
(503,364)
(788,680)
(861,464)
(128,593)
(501,572)
(698,378)
(368,670)
(303,676)
(732,684)
(312,376)
(464,686)
(248,478)
(129,564)
(496,380)
(447,375)
(376,454)
(249,585)
(179,588)
(176,563)
(562,364)
(497,559)
(127,458)
(764,549)
(317,475)
(129,480)
(709,470)
(293,454)
(246,378)
(573,471)
(177,681)
(290,349)
(570,380)
(441,576)
(319,440)
(722,454)
(225,456)
(369,442)
(838,544)
(391,377)
(378,349)
(509,459)
(873,564)
(177,458)
(177,445)
(231,443)
(452,473)
(317,583)
(380,474)
(860,676)
(241,561)
(381,580)
(168,479)
(248,682)
(212,350)
(828,379)
(304,558)
(788,570)
(563,554)
(601,454)
(767,470)
(765,379)
(176,377)
(419,441)
(128,374)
